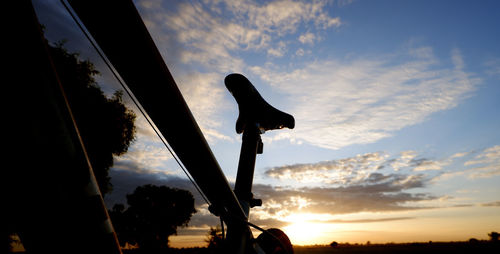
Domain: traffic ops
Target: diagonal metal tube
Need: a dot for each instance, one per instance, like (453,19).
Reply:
(121,34)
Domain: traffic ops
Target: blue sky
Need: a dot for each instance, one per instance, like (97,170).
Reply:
(396,108)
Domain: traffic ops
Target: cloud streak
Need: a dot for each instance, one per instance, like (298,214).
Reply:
(340,103)
(335,171)
(209,40)
(372,220)
(485,164)
(356,169)
(210,36)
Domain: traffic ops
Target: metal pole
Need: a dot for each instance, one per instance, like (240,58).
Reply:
(251,142)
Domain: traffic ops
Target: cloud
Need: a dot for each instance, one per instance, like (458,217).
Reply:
(300,52)
(356,169)
(487,156)
(307,38)
(283,16)
(195,34)
(382,196)
(210,40)
(459,155)
(403,160)
(279,51)
(463,205)
(204,94)
(372,220)
(424,164)
(374,192)
(340,103)
(492,67)
(342,3)
(486,164)
(490,204)
(335,171)
(126,177)
(144,154)
(362,184)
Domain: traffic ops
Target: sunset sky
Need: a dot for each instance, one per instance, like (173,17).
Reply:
(396,106)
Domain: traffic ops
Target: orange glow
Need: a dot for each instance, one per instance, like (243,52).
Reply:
(305,228)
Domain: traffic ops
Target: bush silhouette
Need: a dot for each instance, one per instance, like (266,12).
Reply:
(494,236)
(153,214)
(214,239)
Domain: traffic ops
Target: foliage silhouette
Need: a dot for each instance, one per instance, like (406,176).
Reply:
(215,240)
(105,124)
(7,240)
(153,214)
(334,244)
(494,236)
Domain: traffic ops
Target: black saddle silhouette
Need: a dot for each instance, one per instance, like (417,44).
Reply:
(253,108)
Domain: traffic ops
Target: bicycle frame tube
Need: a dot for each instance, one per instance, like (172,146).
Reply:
(251,142)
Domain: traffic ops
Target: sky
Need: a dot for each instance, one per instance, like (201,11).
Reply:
(395,103)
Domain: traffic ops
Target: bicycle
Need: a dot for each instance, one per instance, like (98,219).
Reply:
(150,82)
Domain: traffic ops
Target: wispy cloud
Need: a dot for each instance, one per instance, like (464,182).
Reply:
(209,40)
(307,38)
(492,67)
(336,103)
(335,171)
(495,203)
(478,164)
(279,51)
(485,164)
(372,220)
(358,169)
(146,152)
(194,33)
(426,164)
(204,95)
(340,103)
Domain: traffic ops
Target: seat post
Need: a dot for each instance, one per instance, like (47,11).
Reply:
(250,147)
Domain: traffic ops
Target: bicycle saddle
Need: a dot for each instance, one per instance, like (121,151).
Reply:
(253,108)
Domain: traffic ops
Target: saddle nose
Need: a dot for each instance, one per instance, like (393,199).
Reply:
(253,109)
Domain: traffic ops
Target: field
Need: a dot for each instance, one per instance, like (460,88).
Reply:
(476,247)
(427,248)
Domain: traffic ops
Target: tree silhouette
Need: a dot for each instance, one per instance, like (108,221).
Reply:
(214,239)
(121,224)
(494,236)
(334,244)
(153,214)
(106,125)
(7,240)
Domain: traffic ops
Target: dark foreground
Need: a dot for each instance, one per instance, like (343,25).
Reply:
(478,247)
(406,248)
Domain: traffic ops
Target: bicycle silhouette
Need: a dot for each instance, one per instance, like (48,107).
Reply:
(118,30)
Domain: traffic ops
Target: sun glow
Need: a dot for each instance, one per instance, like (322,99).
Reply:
(305,228)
